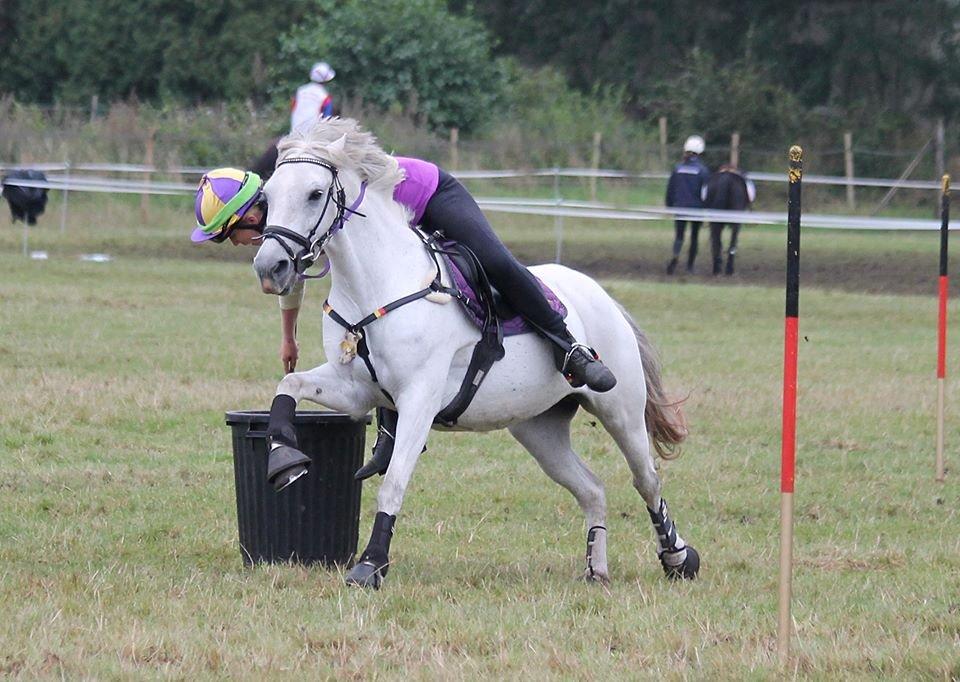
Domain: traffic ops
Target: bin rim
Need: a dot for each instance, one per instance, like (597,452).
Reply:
(237,417)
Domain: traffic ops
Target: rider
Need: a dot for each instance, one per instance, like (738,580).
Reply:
(439,203)
(312,101)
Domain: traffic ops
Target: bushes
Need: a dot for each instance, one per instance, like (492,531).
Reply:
(411,57)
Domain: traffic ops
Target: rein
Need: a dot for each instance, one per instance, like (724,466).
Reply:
(311,248)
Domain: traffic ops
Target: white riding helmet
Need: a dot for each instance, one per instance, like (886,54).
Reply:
(321,73)
(694,144)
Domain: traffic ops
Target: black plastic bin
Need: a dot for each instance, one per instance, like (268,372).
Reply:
(317,518)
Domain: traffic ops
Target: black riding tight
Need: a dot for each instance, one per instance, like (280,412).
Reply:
(454,212)
(679,227)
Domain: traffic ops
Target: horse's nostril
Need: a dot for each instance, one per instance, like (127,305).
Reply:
(281,267)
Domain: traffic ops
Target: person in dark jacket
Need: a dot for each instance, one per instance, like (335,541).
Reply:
(685,190)
(727,190)
(26,203)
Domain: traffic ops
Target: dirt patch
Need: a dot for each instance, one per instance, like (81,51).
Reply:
(874,273)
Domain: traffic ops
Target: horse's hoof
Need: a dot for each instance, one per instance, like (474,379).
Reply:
(285,465)
(687,570)
(366,574)
(285,479)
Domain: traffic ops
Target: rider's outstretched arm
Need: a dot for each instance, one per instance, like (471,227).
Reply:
(289,311)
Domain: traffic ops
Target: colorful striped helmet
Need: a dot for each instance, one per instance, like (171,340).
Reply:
(223,197)
(321,73)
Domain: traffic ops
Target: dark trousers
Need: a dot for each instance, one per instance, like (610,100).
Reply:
(679,227)
(453,211)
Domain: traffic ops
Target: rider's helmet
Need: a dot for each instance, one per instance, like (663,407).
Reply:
(694,145)
(223,197)
(321,73)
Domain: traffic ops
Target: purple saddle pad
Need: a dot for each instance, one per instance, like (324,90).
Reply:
(477,312)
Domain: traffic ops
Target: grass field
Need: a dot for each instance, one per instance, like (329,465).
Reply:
(118,547)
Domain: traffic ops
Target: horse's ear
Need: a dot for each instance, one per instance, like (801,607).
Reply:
(338,145)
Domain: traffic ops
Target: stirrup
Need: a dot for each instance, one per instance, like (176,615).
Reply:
(574,347)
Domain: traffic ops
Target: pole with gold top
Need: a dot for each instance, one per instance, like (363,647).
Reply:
(789,437)
(942,322)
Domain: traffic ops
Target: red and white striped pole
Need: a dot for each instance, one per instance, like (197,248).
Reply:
(789,438)
(942,322)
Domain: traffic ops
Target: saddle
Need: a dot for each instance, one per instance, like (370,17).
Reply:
(486,307)
(468,277)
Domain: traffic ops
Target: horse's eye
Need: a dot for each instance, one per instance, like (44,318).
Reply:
(316,194)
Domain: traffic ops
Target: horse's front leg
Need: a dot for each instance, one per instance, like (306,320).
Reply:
(327,385)
(416,410)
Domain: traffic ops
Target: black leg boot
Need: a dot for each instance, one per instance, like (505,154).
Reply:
(717,265)
(383,448)
(730,264)
(285,463)
(375,560)
(581,365)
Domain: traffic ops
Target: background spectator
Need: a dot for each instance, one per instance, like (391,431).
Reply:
(312,101)
(684,190)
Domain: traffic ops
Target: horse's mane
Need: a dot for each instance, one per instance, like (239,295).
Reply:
(360,151)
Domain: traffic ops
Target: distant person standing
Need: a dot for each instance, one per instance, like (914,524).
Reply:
(727,190)
(684,190)
(312,101)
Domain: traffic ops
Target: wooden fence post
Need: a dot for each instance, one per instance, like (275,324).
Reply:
(595,164)
(454,148)
(735,150)
(848,168)
(147,161)
(939,151)
(94,103)
(663,141)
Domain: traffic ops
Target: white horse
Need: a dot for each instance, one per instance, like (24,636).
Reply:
(332,190)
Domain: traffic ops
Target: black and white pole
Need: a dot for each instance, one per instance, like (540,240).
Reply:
(942,321)
(789,434)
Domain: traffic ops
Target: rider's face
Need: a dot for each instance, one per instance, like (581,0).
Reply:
(247,231)
(245,236)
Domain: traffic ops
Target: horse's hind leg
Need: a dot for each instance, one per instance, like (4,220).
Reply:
(628,428)
(547,438)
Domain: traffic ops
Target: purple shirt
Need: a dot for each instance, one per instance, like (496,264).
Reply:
(417,187)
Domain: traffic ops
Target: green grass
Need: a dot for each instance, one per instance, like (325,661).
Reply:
(118,547)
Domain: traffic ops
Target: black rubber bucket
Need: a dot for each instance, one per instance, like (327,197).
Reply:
(317,518)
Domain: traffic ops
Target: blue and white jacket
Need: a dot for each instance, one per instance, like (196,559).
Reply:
(689,178)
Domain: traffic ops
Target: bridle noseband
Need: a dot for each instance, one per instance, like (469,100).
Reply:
(310,246)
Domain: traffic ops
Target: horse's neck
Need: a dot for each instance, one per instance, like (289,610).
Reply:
(375,261)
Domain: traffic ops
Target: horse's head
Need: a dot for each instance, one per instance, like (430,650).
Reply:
(306,206)
(314,191)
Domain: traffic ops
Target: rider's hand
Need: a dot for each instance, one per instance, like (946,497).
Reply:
(289,353)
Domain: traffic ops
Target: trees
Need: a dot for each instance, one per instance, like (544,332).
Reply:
(891,55)
(189,50)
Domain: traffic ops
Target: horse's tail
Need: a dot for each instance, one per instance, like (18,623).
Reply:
(665,422)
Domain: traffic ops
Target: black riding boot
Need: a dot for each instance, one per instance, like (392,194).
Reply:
(581,365)
(383,448)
